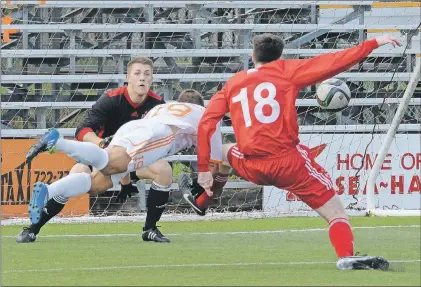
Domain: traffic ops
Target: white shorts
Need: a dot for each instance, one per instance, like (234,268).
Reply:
(146,141)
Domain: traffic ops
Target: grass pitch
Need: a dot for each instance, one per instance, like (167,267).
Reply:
(284,251)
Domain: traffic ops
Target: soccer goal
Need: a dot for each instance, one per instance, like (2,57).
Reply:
(58,57)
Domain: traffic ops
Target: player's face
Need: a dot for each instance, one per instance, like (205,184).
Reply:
(139,77)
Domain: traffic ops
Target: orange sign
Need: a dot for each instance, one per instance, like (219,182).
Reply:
(18,178)
(7,32)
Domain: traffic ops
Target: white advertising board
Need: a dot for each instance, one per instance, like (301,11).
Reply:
(398,185)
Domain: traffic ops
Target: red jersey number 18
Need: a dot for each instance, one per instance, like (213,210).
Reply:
(261,102)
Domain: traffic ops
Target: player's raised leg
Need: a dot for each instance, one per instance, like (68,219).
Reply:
(111,161)
(83,152)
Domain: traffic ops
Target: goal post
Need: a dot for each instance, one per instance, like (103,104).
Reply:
(371,196)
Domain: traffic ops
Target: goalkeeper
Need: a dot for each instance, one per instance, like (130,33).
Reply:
(111,111)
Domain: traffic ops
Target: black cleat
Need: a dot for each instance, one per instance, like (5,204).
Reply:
(362,263)
(46,143)
(26,236)
(191,190)
(190,200)
(153,234)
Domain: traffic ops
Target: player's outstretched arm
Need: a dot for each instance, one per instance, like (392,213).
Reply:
(208,124)
(205,179)
(216,145)
(311,71)
(384,40)
(213,114)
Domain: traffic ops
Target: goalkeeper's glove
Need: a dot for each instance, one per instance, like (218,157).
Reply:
(125,191)
(105,142)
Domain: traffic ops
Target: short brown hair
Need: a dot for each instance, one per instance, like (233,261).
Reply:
(267,47)
(191,96)
(140,60)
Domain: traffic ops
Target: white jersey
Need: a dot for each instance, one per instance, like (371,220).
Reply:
(186,116)
(150,139)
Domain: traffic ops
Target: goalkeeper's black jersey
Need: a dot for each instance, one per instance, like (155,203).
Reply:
(112,110)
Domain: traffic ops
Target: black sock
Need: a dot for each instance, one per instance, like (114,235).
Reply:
(156,201)
(53,208)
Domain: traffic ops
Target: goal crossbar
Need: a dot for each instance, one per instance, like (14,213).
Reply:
(70,132)
(216,77)
(88,104)
(277,4)
(187,28)
(88,53)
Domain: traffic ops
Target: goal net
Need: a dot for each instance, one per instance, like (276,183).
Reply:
(58,57)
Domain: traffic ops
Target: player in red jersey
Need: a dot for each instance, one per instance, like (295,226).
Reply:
(261,102)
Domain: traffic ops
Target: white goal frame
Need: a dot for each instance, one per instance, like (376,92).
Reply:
(371,209)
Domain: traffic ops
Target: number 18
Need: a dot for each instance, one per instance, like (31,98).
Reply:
(261,102)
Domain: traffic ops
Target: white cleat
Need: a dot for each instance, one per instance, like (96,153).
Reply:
(362,263)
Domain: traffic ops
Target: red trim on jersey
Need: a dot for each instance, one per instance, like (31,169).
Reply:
(101,132)
(82,133)
(117,91)
(154,95)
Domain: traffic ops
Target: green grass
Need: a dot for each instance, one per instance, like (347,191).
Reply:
(240,259)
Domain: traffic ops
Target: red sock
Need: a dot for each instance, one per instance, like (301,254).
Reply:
(203,201)
(341,237)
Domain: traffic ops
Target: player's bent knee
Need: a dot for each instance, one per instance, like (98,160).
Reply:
(100,183)
(118,160)
(332,209)
(79,168)
(160,172)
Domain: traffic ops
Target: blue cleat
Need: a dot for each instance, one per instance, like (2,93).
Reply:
(46,143)
(38,201)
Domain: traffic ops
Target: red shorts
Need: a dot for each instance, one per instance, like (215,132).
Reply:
(296,172)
